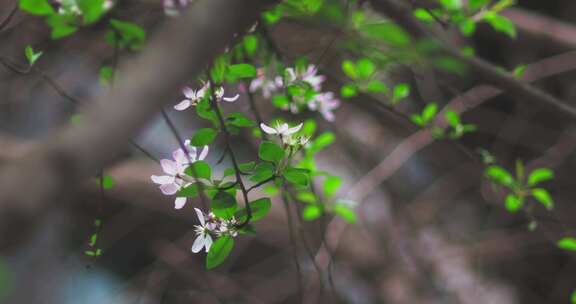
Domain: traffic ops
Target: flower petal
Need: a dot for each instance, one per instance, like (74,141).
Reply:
(180,157)
(162,179)
(198,244)
(169,189)
(169,166)
(179,202)
(231,99)
(207,242)
(188,92)
(268,129)
(200,216)
(183,105)
(294,129)
(203,154)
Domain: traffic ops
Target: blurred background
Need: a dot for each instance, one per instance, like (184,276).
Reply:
(433,230)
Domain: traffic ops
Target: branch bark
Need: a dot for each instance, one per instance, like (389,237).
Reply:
(182,49)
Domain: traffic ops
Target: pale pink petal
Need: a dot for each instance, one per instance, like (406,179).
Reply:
(268,129)
(183,105)
(169,166)
(207,242)
(162,179)
(294,129)
(200,216)
(231,99)
(179,202)
(281,128)
(188,92)
(203,153)
(255,84)
(169,189)
(180,157)
(198,244)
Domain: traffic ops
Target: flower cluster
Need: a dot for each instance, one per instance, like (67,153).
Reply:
(173,7)
(211,225)
(286,133)
(72,7)
(193,97)
(323,102)
(175,178)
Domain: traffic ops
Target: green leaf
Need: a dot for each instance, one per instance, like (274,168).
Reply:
(92,10)
(501,24)
(350,69)
(519,70)
(452,118)
(543,197)
(311,212)
(366,68)
(389,33)
(451,4)
(429,112)
(224,205)
(401,91)
(331,185)
(219,251)
(37,7)
(250,44)
(573,297)
(513,203)
(377,86)
(259,207)
(567,243)
(296,176)
(203,137)
(349,90)
(62,25)
(423,15)
(270,151)
(189,191)
(322,141)
(280,101)
(132,36)
(345,212)
(106,73)
(242,70)
(499,175)
(107,182)
(239,120)
(467,27)
(540,175)
(31,56)
(262,172)
(200,168)
(477,4)
(307,197)
(274,15)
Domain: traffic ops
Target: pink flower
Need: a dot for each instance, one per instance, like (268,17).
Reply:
(192,97)
(308,76)
(325,103)
(266,85)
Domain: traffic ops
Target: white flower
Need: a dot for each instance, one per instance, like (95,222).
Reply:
(192,97)
(281,129)
(228,228)
(172,7)
(180,156)
(203,238)
(296,140)
(268,86)
(171,182)
(325,103)
(308,76)
(220,95)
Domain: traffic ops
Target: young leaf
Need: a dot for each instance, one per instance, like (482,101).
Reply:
(31,56)
(37,7)
(452,118)
(331,185)
(429,112)
(540,175)
(92,10)
(349,90)
(513,203)
(311,212)
(239,120)
(259,207)
(107,182)
(543,197)
(262,172)
(350,69)
(401,91)
(567,243)
(131,35)
(270,151)
(499,175)
(250,43)
(345,212)
(242,70)
(423,15)
(377,86)
(199,169)
(501,24)
(219,251)
(203,137)
(189,191)
(366,68)
(297,176)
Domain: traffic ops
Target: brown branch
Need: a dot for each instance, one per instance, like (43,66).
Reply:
(180,50)
(489,73)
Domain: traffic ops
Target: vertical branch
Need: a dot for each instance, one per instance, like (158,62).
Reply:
(292,241)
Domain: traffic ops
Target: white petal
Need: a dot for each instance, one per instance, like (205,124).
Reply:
(183,105)
(203,153)
(219,92)
(169,189)
(200,216)
(179,202)
(231,99)
(180,157)
(169,166)
(282,128)
(207,242)
(294,129)
(162,179)
(198,244)
(268,129)
(188,92)
(255,84)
